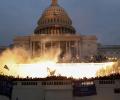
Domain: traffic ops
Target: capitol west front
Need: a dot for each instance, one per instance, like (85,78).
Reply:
(54,30)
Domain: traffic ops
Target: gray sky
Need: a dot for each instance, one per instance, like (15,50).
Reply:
(90,17)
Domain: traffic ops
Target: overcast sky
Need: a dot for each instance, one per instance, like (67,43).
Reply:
(90,17)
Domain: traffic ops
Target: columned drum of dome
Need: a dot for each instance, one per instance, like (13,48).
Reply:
(54,30)
(54,20)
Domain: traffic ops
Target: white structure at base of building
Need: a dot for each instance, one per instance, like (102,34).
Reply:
(66,90)
(60,88)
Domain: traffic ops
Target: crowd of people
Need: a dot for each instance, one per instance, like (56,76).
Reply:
(11,78)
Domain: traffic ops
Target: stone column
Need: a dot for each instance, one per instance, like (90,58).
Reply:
(52,31)
(41,48)
(66,46)
(57,31)
(60,30)
(30,46)
(33,48)
(59,44)
(77,48)
(69,47)
(44,48)
(51,45)
(80,54)
(49,31)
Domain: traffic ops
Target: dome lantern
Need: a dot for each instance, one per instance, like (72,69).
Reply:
(54,2)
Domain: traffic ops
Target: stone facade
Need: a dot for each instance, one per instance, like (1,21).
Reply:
(110,51)
(63,90)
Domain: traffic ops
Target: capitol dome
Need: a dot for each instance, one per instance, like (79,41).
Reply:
(54,20)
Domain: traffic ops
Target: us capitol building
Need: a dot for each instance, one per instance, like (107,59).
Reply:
(54,30)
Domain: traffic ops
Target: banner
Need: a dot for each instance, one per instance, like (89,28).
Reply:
(84,90)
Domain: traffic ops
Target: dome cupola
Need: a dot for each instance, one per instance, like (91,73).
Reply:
(54,20)
(54,2)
